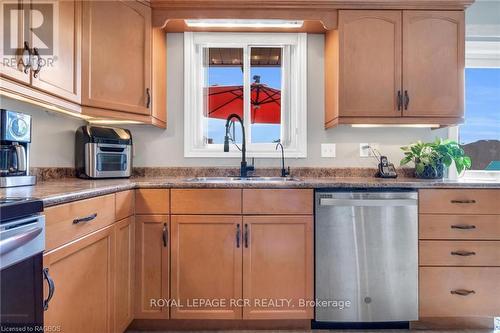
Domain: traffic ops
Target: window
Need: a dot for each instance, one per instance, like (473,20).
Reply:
(480,134)
(259,76)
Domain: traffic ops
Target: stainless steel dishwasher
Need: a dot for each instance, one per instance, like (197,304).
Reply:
(366,246)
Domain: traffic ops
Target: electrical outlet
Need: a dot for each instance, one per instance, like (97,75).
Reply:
(328,150)
(365,151)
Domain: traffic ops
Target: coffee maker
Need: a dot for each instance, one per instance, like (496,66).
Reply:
(15,138)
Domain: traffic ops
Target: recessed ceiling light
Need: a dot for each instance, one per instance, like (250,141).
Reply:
(242,23)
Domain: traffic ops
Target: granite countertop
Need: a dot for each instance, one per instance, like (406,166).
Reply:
(54,192)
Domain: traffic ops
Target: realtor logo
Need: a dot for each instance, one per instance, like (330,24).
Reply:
(33,24)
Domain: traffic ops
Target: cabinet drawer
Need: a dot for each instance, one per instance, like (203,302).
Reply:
(124,204)
(152,201)
(206,201)
(459,201)
(459,253)
(439,287)
(278,201)
(433,226)
(68,222)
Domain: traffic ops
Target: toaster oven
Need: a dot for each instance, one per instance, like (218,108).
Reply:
(103,152)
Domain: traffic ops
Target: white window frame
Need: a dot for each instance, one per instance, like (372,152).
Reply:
(293,120)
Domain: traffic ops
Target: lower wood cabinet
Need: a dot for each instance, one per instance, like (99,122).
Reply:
(278,265)
(152,266)
(206,265)
(125,273)
(83,273)
(256,267)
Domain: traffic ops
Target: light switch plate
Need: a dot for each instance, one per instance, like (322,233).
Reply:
(328,150)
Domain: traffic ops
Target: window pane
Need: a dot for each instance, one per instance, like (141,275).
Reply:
(223,91)
(480,134)
(265,73)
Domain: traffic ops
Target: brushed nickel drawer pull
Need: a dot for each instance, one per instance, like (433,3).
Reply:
(463,226)
(462,292)
(85,219)
(463,253)
(463,201)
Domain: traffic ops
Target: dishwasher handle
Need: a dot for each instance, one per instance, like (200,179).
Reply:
(367,202)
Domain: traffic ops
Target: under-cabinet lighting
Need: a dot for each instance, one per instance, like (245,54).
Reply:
(113,121)
(397,125)
(47,106)
(242,23)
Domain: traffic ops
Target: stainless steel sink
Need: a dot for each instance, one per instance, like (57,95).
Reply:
(241,179)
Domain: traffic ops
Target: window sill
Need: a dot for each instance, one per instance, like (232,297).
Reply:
(209,153)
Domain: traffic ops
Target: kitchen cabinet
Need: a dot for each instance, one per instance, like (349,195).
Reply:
(206,201)
(59,72)
(125,273)
(152,265)
(124,204)
(13,66)
(433,63)
(116,58)
(83,272)
(277,264)
(67,222)
(152,201)
(206,265)
(459,245)
(370,54)
(395,67)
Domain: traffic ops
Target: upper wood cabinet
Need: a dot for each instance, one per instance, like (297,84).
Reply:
(83,273)
(433,63)
(370,54)
(59,73)
(12,65)
(386,67)
(117,56)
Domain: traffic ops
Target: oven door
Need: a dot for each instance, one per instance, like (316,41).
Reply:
(107,160)
(21,274)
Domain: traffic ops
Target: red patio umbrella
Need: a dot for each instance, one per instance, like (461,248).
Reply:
(265,102)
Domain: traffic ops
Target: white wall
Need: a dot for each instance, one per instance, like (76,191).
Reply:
(53,137)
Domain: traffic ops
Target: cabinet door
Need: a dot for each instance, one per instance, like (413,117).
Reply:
(11,65)
(370,63)
(152,266)
(433,63)
(116,57)
(206,265)
(278,265)
(83,274)
(125,273)
(60,71)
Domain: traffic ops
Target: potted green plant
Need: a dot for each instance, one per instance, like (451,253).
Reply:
(430,159)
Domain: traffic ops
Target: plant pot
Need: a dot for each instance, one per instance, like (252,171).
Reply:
(431,172)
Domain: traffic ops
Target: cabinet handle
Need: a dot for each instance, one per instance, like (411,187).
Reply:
(238,232)
(148,98)
(52,288)
(407,99)
(245,235)
(400,100)
(165,235)
(26,58)
(463,201)
(463,253)
(39,62)
(462,292)
(463,226)
(85,219)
